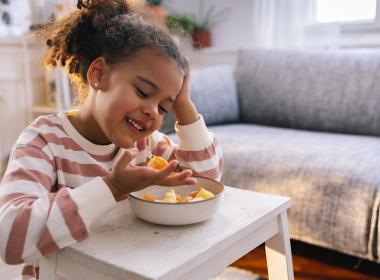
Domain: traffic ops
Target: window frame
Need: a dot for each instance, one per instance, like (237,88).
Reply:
(366,24)
(358,33)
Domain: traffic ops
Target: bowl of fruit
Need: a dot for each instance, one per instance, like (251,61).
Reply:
(179,205)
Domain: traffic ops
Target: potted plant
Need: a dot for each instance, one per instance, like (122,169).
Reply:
(201,35)
(199,29)
(180,23)
(158,10)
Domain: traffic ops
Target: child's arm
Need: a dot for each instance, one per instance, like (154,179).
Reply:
(34,221)
(183,107)
(198,149)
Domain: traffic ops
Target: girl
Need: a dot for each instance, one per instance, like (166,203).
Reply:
(66,170)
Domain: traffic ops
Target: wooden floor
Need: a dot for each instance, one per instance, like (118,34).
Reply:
(312,262)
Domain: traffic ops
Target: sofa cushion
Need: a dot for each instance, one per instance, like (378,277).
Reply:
(337,91)
(333,180)
(213,92)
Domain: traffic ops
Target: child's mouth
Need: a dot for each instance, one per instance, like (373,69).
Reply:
(134,125)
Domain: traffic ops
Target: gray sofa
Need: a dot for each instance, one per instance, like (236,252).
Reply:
(304,124)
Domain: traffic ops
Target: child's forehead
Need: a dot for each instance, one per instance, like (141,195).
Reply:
(148,60)
(159,69)
(148,55)
(151,64)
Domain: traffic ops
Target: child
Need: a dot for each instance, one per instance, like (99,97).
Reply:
(66,170)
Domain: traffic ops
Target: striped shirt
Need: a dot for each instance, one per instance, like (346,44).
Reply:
(54,176)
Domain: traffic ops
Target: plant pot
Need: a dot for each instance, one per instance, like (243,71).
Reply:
(159,13)
(201,39)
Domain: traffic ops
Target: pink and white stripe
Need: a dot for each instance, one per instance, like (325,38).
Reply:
(54,177)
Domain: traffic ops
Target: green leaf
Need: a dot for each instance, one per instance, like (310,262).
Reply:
(189,23)
(154,2)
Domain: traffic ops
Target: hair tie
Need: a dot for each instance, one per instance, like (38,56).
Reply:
(82,4)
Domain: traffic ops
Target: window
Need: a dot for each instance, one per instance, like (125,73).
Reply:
(345,10)
(344,23)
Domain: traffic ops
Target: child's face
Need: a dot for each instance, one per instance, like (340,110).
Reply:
(139,93)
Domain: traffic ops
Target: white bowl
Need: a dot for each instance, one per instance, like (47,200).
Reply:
(177,213)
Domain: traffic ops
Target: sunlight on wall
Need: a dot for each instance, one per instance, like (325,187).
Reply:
(345,10)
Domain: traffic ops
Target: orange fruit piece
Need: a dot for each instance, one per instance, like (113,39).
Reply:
(193,194)
(157,162)
(148,197)
(181,198)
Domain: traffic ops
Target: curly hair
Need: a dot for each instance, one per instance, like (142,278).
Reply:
(113,29)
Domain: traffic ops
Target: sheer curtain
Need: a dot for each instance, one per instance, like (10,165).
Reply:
(287,24)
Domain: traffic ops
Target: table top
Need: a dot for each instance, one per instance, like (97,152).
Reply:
(127,246)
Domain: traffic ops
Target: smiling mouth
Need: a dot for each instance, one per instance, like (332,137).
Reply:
(133,124)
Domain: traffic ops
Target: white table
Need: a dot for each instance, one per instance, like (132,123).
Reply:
(121,246)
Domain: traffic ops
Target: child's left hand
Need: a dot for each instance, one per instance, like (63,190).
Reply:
(184,95)
(183,107)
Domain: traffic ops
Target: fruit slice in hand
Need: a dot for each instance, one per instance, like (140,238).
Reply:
(157,162)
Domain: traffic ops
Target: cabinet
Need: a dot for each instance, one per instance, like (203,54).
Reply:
(13,91)
(40,97)
(23,89)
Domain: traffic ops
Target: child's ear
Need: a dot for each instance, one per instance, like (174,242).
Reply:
(98,74)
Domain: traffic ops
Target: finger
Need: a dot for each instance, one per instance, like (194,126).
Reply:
(182,178)
(186,62)
(167,170)
(133,151)
(179,181)
(186,79)
(125,158)
(190,181)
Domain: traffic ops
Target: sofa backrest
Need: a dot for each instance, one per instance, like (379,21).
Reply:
(325,90)
(213,91)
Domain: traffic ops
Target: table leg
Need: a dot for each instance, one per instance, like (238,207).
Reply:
(278,252)
(48,267)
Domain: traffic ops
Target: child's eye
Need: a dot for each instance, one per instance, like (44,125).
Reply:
(141,93)
(162,109)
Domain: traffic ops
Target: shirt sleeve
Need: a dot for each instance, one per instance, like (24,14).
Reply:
(198,149)
(38,217)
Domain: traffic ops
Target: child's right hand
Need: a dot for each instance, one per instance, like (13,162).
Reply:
(126,177)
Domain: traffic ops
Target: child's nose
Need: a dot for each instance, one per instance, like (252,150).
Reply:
(151,112)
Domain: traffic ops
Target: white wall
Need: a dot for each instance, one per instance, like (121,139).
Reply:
(234,31)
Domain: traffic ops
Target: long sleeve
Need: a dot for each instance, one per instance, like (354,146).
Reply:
(198,149)
(50,193)
(37,215)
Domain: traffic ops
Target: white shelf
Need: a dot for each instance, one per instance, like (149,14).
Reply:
(10,41)
(17,41)
(44,109)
